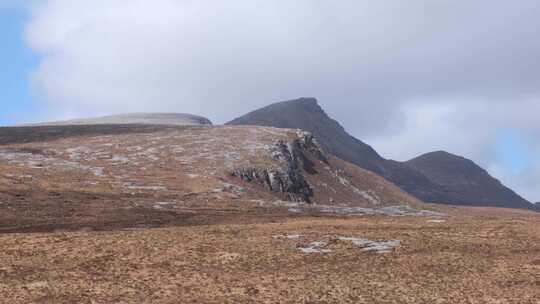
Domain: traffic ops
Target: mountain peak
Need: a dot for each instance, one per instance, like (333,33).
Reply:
(305,100)
(441,153)
(296,106)
(450,164)
(306,114)
(465,180)
(442,156)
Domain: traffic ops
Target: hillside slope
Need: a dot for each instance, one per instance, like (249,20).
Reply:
(306,114)
(107,176)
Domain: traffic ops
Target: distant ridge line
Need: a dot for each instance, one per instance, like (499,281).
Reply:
(133,118)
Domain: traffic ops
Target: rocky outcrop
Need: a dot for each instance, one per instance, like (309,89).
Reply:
(287,178)
(287,182)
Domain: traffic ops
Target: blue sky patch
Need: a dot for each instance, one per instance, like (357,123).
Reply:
(16,62)
(512,151)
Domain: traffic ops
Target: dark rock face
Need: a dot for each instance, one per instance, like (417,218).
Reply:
(440,183)
(290,183)
(287,179)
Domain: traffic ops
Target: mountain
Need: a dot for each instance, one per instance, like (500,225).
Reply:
(136,118)
(430,183)
(117,176)
(465,180)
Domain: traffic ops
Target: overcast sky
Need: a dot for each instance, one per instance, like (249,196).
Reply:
(407,77)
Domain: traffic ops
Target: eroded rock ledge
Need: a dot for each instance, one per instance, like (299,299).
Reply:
(287,178)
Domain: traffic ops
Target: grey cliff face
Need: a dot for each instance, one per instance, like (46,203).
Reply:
(288,178)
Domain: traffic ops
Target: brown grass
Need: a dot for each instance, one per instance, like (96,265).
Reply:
(477,256)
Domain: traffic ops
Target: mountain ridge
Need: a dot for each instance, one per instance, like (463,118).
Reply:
(414,176)
(134,118)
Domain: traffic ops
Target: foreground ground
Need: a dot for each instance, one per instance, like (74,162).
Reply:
(473,256)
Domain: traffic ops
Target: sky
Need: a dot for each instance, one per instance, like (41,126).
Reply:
(16,62)
(407,77)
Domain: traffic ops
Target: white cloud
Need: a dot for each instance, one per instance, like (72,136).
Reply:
(408,76)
